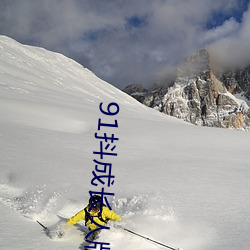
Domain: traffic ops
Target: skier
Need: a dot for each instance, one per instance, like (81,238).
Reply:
(95,214)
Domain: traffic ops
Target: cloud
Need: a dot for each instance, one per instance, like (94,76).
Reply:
(121,41)
(228,28)
(232,50)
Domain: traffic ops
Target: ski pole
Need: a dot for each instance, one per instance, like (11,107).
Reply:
(150,239)
(45,228)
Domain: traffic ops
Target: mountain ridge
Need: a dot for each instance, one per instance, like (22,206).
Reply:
(200,95)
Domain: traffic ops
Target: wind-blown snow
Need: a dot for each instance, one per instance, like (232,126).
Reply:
(176,183)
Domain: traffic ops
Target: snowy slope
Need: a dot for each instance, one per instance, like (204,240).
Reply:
(182,185)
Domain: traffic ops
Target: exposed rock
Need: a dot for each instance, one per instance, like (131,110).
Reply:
(201,97)
(137,91)
(133,88)
(237,81)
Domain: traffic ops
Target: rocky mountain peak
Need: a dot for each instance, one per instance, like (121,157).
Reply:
(196,64)
(200,96)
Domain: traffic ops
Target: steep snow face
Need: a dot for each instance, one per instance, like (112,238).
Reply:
(35,73)
(179,184)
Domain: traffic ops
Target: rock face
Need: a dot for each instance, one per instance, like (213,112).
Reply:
(201,97)
(137,91)
(237,81)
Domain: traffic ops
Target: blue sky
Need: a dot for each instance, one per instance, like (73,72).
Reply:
(131,41)
(218,17)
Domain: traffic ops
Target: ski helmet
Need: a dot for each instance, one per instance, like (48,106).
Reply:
(94,199)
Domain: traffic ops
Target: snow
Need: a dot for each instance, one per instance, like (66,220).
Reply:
(242,99)
(182,185)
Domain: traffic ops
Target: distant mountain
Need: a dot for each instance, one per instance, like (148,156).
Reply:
(201,95)
(237,81)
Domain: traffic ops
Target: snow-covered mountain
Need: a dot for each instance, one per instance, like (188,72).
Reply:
(182,185)
(201,96)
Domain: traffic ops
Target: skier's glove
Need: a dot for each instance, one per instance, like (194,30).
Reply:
(118,226)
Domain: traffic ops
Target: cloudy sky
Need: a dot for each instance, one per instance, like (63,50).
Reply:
(131,41)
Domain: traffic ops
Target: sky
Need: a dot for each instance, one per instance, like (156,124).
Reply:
(132,41)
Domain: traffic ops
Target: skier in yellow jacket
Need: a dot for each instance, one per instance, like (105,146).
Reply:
(94,214)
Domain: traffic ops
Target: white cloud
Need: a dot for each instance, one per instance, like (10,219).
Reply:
(233,50)
(97,32)
(228,28)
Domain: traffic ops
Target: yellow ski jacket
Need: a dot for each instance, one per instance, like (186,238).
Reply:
(106,215)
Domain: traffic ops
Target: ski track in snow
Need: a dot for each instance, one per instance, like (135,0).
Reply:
(143,214)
